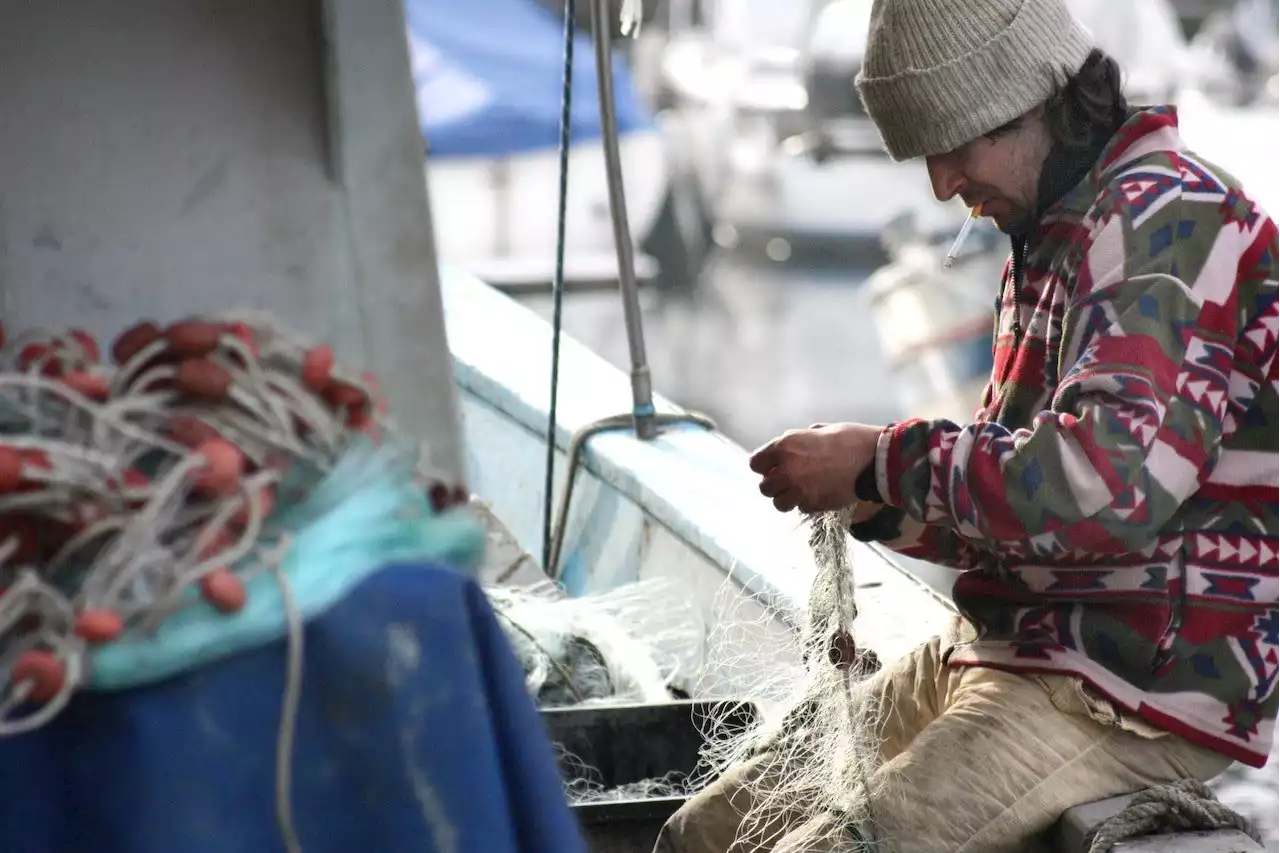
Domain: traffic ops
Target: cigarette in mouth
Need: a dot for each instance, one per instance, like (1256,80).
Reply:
(964,233)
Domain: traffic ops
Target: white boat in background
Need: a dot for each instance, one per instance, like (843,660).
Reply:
(804,163)
(1146,38)
(1237,54)
(496,216)
(935,325)
(758,91)
(491,119)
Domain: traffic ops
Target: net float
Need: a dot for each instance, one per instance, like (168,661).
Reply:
(203,379)
(99,626)
(88,384)
(88,345)
(223,590)
(46,674)
(192,338)
(317,367)
(223,465)
(133,340)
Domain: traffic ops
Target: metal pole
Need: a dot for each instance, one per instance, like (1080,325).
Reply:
(641,384)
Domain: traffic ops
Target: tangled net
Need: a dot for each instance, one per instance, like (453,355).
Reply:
(132,489)
(817,754)
(584,784)
(628,644)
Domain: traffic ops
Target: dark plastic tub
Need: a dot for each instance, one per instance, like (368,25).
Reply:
(631,743)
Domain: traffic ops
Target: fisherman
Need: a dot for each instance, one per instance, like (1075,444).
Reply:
(1112,507)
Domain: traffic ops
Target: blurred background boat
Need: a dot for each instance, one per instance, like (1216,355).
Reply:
(487,75)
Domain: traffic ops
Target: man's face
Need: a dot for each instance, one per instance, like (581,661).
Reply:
(1001,172)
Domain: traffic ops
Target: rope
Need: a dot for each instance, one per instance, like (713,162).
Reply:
(288,716)
(1185,805)
(557,283)
(643,419)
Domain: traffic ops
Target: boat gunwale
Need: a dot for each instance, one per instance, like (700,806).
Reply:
(726,520)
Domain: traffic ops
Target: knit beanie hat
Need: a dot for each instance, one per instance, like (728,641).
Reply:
(940,73)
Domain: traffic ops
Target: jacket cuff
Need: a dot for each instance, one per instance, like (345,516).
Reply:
(890,461)
(865,488)
(884,526)
(888,466)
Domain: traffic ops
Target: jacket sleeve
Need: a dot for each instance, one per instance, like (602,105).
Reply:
(894,529)
(1134,425)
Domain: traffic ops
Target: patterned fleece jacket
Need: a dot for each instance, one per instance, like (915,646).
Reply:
(1114,504)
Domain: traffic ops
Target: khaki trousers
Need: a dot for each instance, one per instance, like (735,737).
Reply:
(975,761)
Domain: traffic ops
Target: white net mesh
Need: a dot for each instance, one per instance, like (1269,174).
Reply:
(816,749)
(627,645)
(814,745)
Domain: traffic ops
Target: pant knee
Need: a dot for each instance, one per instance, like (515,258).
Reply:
(711,820)
(707,823)
(666,842)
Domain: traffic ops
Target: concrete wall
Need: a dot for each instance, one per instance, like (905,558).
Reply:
(162,158)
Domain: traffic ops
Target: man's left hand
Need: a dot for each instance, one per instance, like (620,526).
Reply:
(814,469)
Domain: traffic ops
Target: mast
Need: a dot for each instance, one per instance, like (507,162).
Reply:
(641,383)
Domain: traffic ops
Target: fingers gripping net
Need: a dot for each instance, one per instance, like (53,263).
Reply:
(814,757)
(129,490)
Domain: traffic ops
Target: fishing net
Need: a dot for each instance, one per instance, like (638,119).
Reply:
(815,746)
(586,789)
(137,488)
(816,749)
(630,644)
(635,644)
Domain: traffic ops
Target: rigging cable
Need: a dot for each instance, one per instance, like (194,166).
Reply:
(557,283)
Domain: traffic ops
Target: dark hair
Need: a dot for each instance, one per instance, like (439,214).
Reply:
(1090,106)
(1082,114)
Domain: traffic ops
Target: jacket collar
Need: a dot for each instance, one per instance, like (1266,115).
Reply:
(1073,182)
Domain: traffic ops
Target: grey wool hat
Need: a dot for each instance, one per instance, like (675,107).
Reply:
(940,73)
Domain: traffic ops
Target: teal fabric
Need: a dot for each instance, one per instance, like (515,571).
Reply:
(367,513)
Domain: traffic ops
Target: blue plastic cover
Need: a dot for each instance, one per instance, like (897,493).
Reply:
(488,76)
(415,735)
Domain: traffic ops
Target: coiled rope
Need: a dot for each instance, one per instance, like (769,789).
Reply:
(1185,805)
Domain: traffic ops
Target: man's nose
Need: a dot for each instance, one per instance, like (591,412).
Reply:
(945,175)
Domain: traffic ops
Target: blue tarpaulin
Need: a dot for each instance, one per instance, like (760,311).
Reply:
(488,77)
(415,735)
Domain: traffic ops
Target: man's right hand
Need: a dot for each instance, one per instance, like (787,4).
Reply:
(865,509)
